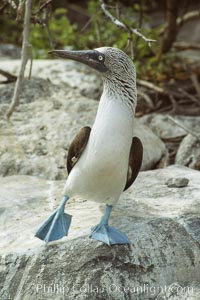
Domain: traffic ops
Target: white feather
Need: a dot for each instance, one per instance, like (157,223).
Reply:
(100,173)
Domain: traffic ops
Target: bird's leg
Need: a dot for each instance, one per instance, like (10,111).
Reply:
(57,225)
(107,234)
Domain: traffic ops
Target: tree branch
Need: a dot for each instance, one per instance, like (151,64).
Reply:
(146,98)
(46,24)
(181,46)
(158,89)
(195,82)
(3,7)
(183,127)
(42,7)
(189,96)
(171,28)
(122,25)
(24,58)
(10,77)
(188,16)
(194,14)
(20,9)
(89,21)
(151,86)
(12,4)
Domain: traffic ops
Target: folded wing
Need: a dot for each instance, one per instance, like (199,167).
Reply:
(135,161)
(77,147)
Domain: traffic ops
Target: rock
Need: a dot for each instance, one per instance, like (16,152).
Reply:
(177,182)
(188,153)
(185,147)
(184,34)
(177,292)
(165,128)
(162,224)
(36,140)
(26,201)
(154,149)
(31,90)
(61,71)
(9,51)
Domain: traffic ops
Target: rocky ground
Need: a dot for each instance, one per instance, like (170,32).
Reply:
(162,223)
(159,213)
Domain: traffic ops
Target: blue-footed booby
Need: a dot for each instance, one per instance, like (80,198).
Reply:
(104,160)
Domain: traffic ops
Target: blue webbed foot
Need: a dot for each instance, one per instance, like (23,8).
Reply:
(56,226)
(107,234)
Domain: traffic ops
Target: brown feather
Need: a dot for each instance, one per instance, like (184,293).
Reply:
(135,161)
(77,147)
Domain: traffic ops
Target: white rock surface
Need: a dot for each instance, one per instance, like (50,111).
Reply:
(177,292)
(61,71)
(188,153)
(162,223)
(26,201)
(165,128)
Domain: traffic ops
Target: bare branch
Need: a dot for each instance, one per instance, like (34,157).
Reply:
(31,61)
(42,7)
(122,25)
(189,96)
(12,4)
(118,10)
(24,58)
(171,28)
(46,24)
(146,98)
(151,86)
(188,16)
(78,9)
(174,104)
(159,89)
(89,21)
(111,17)
(183,127)
(195,83)
(140,20)
(130,44)
(20,9)
(3,7)
(195,14)
(10,77)
(186,46)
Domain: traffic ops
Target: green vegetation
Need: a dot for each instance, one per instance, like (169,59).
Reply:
(99,32)
(62,33)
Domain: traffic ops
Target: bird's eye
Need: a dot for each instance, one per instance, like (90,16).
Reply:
(100,57)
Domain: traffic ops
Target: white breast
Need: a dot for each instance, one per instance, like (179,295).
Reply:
(100,174)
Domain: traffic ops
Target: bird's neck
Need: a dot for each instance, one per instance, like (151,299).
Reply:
(116,106)
(120,91)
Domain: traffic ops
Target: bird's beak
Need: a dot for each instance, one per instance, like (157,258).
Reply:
(87,57)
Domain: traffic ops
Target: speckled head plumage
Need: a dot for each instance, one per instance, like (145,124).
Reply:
(117,62)
(115,66)
(120,76)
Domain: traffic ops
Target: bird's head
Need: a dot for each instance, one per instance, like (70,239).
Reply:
(111,63)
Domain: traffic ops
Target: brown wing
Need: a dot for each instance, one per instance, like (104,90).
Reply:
(77,146)
(135,161)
